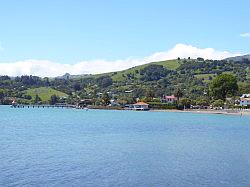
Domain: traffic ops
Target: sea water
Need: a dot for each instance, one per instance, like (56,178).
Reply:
(70,147)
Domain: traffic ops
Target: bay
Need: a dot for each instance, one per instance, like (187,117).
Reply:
(69,147)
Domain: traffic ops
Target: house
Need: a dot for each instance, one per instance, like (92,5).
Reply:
(113,102)
(99,94)
(245,100)
(128,91)
(14,103)
(140,106)
(84,103)
(169,99)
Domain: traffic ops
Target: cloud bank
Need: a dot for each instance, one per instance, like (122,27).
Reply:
(45,68)
(245,35)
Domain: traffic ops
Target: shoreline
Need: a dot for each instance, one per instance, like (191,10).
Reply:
(194,111)
(197,111)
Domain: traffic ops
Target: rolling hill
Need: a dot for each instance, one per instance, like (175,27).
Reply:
(119,76)
(154,79)
(239,58)
(44,93)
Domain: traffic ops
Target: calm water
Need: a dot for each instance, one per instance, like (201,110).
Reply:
(66,147)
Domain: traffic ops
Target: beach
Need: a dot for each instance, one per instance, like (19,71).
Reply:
(208,111)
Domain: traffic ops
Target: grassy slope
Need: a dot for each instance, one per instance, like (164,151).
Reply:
(44,93)
(169,64)
(118,76)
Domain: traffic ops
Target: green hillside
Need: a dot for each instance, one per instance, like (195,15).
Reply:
(205,77)
(44,93)
(153,80)
(248,73)
(121,75)
(169,64)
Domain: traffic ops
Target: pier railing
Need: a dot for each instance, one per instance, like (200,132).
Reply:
(44,106)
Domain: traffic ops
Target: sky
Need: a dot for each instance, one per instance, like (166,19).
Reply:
(52,37)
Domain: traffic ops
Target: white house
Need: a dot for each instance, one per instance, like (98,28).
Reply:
(14,103)
(113,102)
(128,91)
(244,101)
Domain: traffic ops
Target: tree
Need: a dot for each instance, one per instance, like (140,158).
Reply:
(244,88)
(77,86)
(27,97)
(185,102)
(153,72)
(46,81)
(37,99)
(104,81)
(218,103)
(54,99)
(5,77)
(150,94)
(138,92)
(126,99)
(224,85)
(202,102)
(178,93)
(164,82)
(200,59)
(105,98)
(1,96)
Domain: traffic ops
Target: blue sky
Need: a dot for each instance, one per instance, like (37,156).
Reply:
(71,31)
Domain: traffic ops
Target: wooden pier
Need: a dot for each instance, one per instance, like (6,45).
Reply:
(44,106)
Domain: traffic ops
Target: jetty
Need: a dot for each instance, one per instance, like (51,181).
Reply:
(43,106)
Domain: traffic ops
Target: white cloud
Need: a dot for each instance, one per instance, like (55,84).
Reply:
(185,51)
(51,69)
(245,35)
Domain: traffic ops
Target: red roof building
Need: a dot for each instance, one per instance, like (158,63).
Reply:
(169,99)
(140,106)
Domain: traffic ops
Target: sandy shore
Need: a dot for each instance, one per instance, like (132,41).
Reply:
(226,112)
